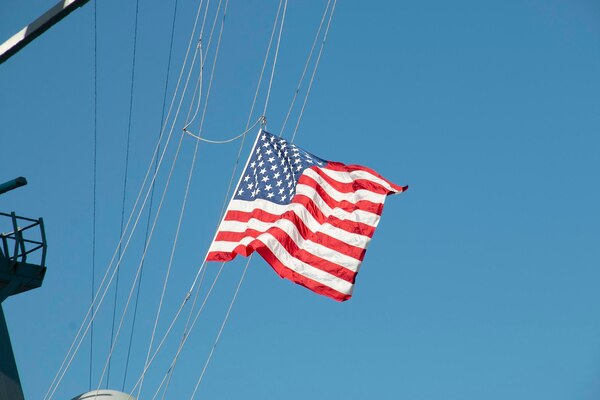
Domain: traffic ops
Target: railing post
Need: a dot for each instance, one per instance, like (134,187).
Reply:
(44,245)
(5,245)
(15,230)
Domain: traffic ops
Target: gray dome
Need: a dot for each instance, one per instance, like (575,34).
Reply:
(104,395)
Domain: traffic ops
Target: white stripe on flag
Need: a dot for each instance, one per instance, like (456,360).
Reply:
(304,269)
(349,177)
(290,229)
(352,197)
(353,239)
(361,216)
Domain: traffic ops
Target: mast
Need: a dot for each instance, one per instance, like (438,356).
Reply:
(37,27)
(18,274)
(26,238)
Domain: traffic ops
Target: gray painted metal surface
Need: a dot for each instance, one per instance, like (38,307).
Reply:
(104,395)
(10,385)
(37,27)
(25,238)
(11,185)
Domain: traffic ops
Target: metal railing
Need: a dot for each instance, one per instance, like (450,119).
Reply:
(15,246)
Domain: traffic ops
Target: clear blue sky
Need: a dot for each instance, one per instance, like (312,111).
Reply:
(481,281)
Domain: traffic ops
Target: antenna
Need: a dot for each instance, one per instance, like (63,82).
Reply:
(25,240)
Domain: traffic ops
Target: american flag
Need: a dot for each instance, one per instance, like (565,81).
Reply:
(309,218)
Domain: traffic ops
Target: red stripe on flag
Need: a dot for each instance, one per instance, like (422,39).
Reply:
(351,187)
(349,226)
(364,205)
(291,247)
(336,166)
(287,273)
(317,237)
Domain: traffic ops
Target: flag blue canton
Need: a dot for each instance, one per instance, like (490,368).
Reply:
(273,170)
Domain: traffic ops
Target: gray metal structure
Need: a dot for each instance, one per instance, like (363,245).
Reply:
(37,27)
(104,395)
(25,240)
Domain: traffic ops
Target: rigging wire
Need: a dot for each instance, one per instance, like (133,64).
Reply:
(158,212)
(190,173)
(76,343)
(162,121)
(224,323)
(314,70)
(197,89)
(312,49)
(187,329)
(275,58)
(137,219)
(247,263)
(189,326)
(186,335)
(262,71)
(260,120)
(168,331)
(249,258)
(129,119)
(162,199)
(199,85)
(212,350)
(170,370)
(95,170)
(112,348)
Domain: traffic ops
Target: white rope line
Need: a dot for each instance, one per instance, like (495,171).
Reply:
(227,140)
(312,49)
(262,71)
(198,88)
(68,356)
(314,70)
(190,45)
(189,121)
(81,336)
(159,309)
(170,370)
(184,337)
(249,258)
(159,347)
(65,364)
(212,350)
(157,215)
(268,94)
(162,341)
(190,174)
(151,233)
(218,337)
(275,58)
(186,333)
(165,189)
(101,298)
(168,271)
(212,72)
